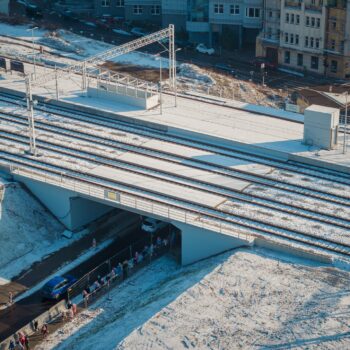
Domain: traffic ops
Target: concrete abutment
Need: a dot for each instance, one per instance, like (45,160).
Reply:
(72,210)
(198,243)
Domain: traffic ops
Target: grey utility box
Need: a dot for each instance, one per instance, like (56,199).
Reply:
(321,126)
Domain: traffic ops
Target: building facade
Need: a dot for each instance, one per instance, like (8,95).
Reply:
(4,6)
(307,36)
(230,24)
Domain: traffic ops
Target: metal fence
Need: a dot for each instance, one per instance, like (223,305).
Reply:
(119,267)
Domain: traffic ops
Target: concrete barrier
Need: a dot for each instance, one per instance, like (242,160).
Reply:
(46,317)
(289,250)
(89,110)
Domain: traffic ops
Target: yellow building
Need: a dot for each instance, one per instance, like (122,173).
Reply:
(310,35)
(337,50)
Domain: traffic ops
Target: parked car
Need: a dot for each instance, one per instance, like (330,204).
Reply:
(225,67)
(151,225)
(203,49)
(184,44)
(57,287)
(258,61)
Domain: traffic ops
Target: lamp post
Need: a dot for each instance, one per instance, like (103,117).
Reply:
(159,57)
(345,121)
(32,29)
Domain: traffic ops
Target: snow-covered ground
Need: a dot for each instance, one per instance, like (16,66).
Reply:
(28,232)
(62,47)
(239,300)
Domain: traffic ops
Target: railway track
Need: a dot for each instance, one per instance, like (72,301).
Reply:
(252,227)
(292,166)
(194,163)
(185,181)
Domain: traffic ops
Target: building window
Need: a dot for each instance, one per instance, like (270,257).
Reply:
(270,14)
(318,22)
(155,10)
(234,9)
(333,44)
(219,8)
(120,3)
(313,2)
(317,43)
(298,19)
(252,12)
(334,66)
(312,21)
(292,38)
(311,42)
(106,3)
(296,39)
(307,20)
(300,59)
(314,62)
(342,43)
(334,24)
(138,10)
(287,17)
(306,41)
(285,37)
(287,57)
(292,18)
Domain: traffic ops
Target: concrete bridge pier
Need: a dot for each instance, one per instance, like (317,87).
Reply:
(72,210)
(198,243)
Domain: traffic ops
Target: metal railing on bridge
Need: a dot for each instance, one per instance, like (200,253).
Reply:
(167,211)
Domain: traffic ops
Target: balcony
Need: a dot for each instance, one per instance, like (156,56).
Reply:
(293,4)
(313,8)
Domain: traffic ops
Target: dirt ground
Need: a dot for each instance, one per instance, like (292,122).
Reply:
(225,85)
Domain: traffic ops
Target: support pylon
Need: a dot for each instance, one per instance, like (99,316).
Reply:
(31,128)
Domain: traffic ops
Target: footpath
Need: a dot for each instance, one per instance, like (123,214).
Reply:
(100,230)
(115,226)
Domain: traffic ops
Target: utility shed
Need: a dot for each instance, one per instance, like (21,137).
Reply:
(321,126)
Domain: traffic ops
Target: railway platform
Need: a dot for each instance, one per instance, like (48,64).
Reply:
(262,131)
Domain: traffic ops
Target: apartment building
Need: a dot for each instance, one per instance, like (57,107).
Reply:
(267,43)
(226,23)
(310,35)
(229,24)
(337,46)
(148,11)
(302,35)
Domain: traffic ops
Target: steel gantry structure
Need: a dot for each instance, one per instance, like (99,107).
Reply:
(82,67)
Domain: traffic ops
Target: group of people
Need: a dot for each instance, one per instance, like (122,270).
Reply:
(122,269)
(21,342)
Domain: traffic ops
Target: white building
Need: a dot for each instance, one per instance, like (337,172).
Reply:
(302,34)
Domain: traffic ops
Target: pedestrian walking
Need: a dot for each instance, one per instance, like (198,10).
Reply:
(44,330)
(36,325)
(19,346)
(26,342)
(10,298)
(94,243)
(12,345)
(22,338)
(75,309)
